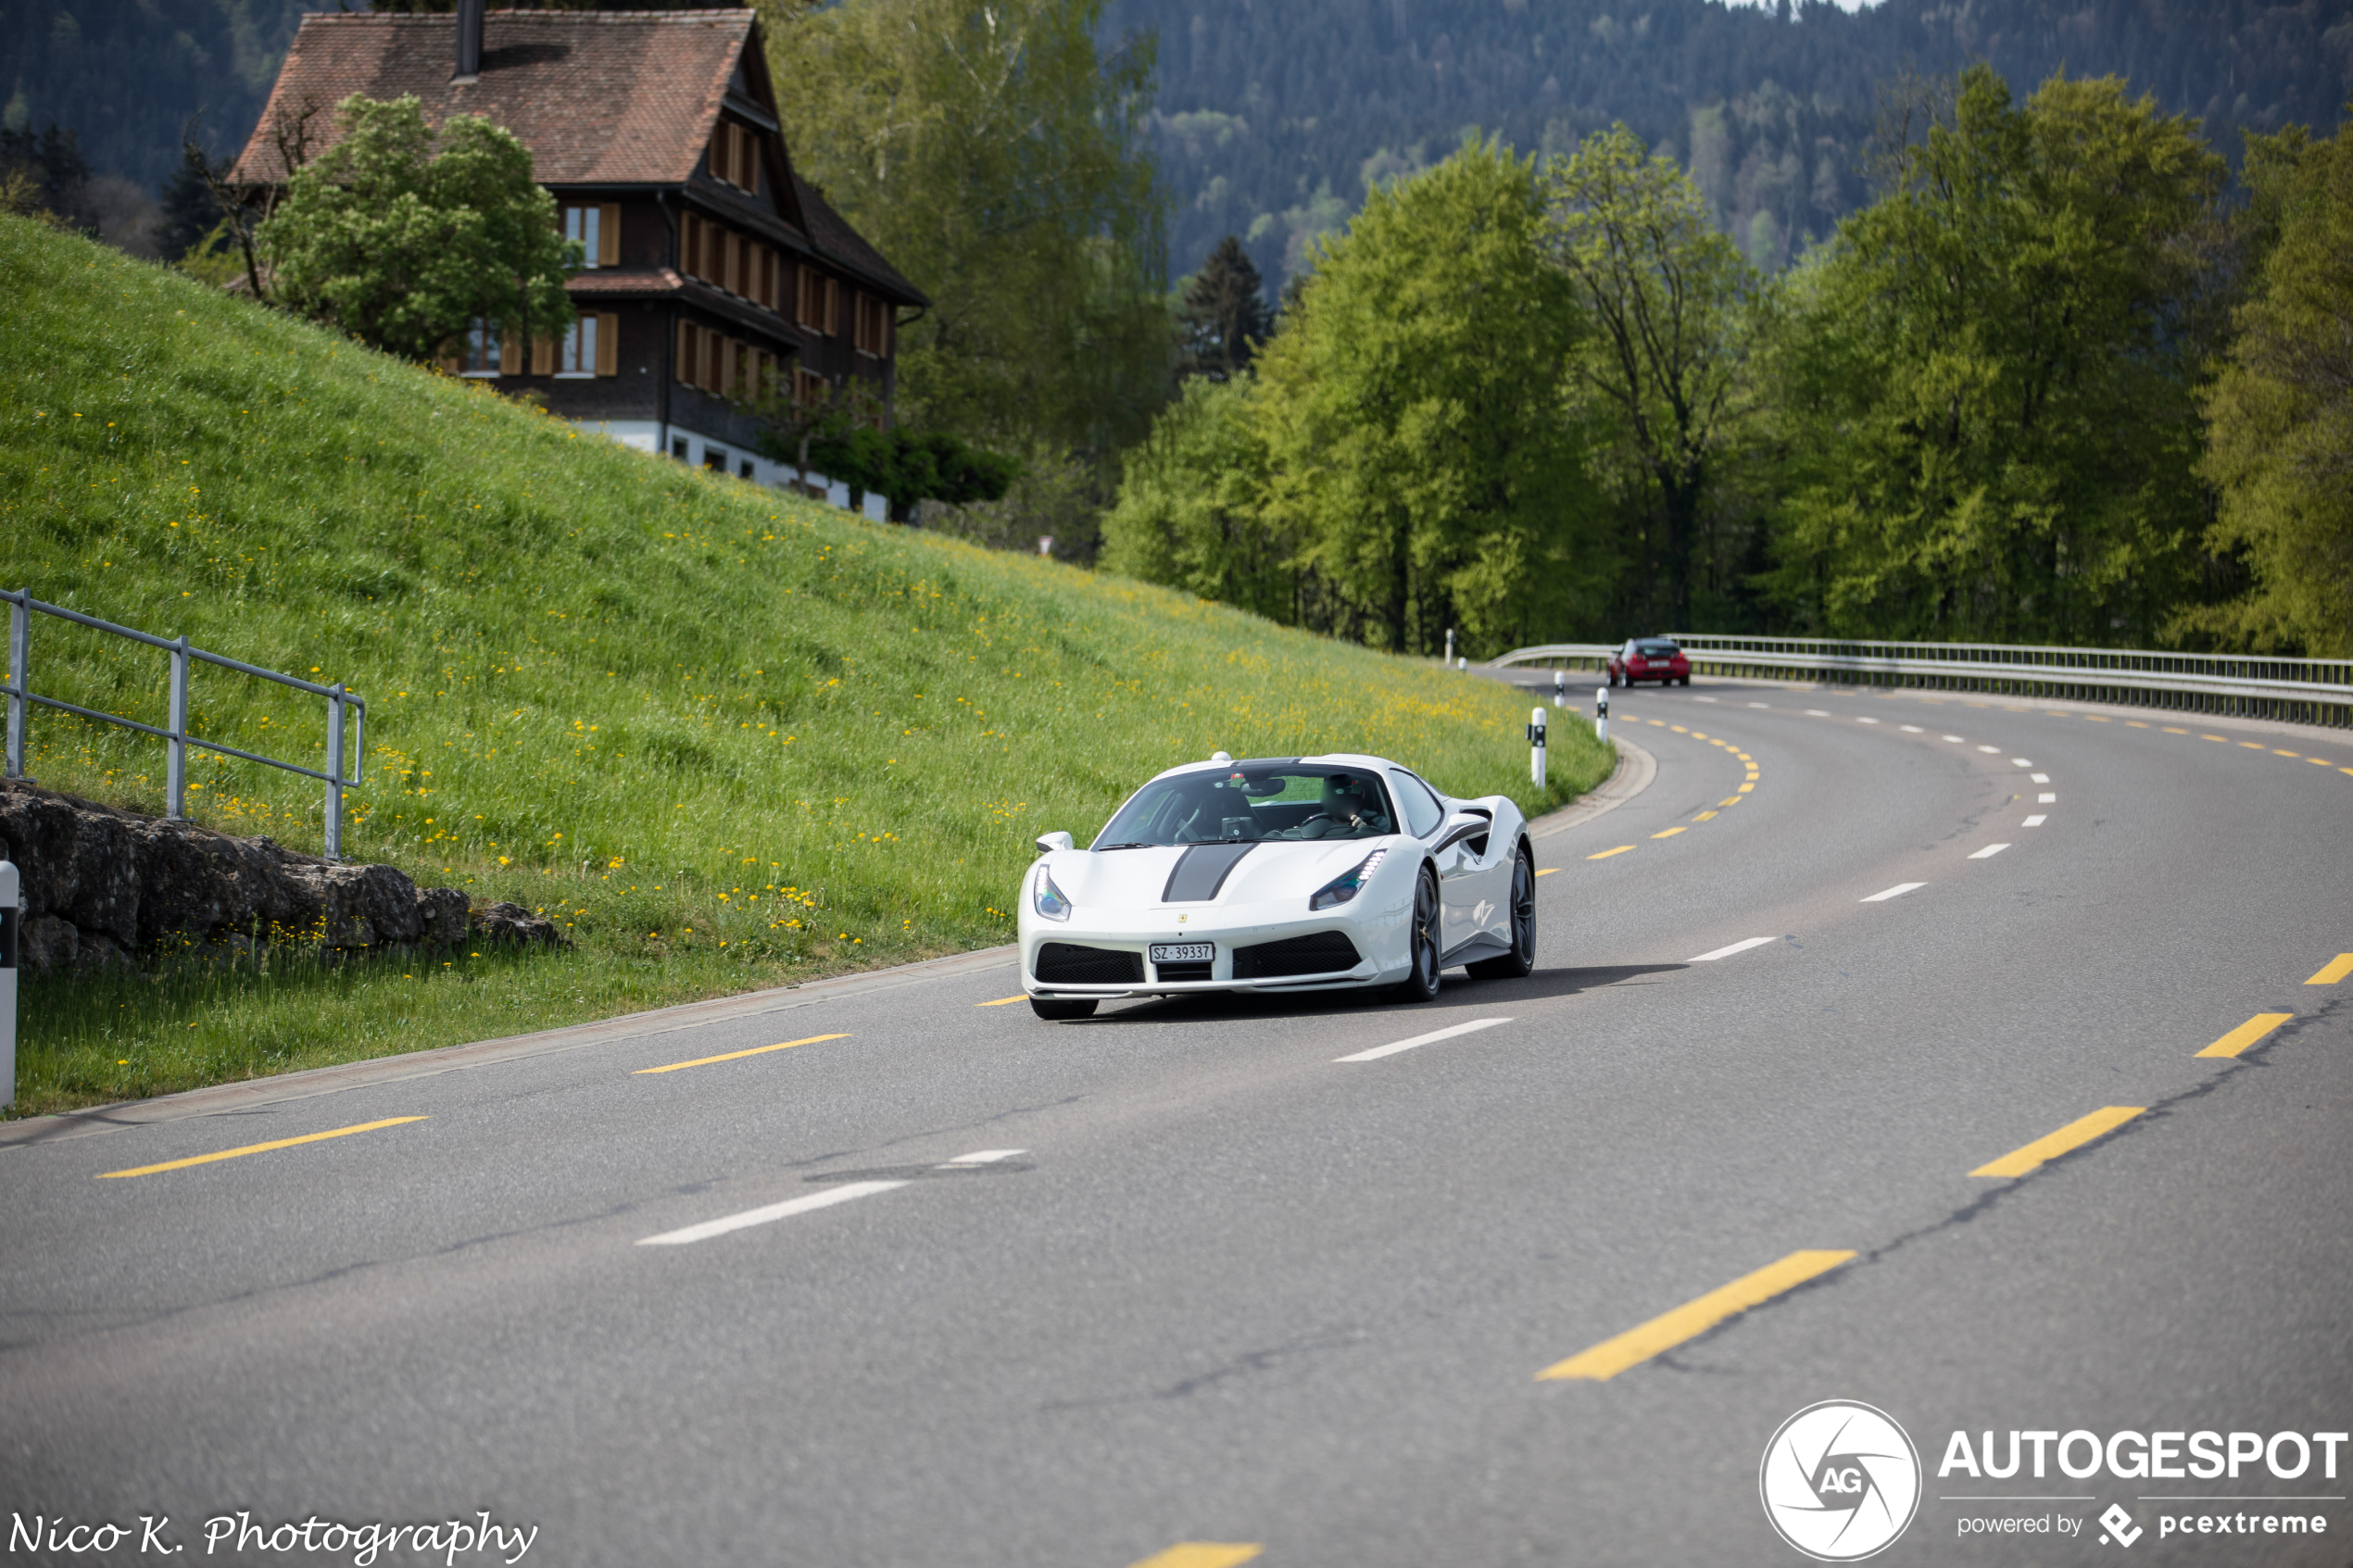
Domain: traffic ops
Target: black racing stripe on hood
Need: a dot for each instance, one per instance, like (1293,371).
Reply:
(1201,870)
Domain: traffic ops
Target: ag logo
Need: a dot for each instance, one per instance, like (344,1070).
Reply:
(1839,1481)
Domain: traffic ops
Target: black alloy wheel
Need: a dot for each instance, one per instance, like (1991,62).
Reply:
(1520,962)
(1421,983)
(1057,1010)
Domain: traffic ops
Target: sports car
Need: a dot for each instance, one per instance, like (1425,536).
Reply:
(1279,873)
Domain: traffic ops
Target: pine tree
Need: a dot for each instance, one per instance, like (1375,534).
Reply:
(1224,318)
(190,209)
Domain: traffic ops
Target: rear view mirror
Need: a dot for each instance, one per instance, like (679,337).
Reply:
(1048,843)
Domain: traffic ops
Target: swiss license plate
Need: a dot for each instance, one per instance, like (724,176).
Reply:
(1183,952)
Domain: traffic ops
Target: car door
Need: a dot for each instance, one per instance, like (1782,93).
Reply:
(1457,868)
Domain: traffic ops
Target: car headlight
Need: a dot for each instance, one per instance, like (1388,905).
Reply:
(1340,889)
(1048,900)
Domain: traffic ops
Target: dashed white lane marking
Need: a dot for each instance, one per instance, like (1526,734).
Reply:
(1816,713)
(984,1156)
(1896,892)
(2046,799)
(2021,762)
(2034,822)
(773,1211)
(1989,851)
(2042,778)
(1760,705)
(1955,740)
(1912,728)
(1995,749)
(1728,952)
(1867,720)
(1431,1038)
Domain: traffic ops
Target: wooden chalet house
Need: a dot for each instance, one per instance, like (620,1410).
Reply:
(711,267)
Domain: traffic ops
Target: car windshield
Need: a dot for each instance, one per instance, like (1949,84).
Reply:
(1655,650)
(1251,801)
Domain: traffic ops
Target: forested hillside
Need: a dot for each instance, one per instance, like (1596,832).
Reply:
(1273,119)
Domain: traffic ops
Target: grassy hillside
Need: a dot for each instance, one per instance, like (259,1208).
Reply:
(727,738)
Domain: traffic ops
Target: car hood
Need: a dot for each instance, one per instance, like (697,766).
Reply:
(1205,873)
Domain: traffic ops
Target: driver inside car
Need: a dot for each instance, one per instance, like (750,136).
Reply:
(1349,809)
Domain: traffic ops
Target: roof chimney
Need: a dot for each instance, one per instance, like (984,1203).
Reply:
(469,39)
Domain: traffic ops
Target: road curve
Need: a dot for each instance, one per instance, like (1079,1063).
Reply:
(1815,1095)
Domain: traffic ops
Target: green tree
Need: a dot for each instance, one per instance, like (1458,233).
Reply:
(1223,317)
(1991,377)
(1189,512)
(2280,413)
(403,247)
(1412,412)
(1666,293)
(1000,161)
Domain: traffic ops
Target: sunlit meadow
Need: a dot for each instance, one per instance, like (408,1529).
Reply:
(724,738)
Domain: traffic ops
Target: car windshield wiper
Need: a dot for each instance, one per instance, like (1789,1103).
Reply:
(1139,845)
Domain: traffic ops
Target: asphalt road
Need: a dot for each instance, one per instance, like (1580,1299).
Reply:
(1228,1292)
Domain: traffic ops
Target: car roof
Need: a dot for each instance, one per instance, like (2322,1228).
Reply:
(1341,758)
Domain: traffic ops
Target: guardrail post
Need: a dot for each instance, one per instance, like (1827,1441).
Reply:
(334,773)
(176,765)
(1536,746)
(20,676)
(11,919)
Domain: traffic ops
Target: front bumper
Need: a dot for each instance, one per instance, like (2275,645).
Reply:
(1379,935)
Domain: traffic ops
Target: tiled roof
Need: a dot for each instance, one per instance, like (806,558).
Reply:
(599,98)
(835,237)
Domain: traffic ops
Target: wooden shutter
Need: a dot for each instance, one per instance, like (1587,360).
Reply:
(453,355)
(607,344)
(686,244)
(732,268)
(510,353)
(609,234)
(685,361)
(543,356)
(833,307)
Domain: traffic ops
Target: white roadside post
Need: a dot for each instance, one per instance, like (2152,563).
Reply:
(1450,647)
(1536,746)
(1601,714)
(9,922)
(1560,688)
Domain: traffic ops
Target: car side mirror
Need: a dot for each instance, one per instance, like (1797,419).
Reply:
(1048,843)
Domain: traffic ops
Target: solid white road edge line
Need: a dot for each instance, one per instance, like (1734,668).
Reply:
(1896,892)
(1431,1038)
(1728,952)
(1989,851)
(750,1216)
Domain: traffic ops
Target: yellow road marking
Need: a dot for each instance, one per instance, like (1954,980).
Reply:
(2171,731)
(2075,1134)
(1607,853)
(2216,738)
(1692,1319)
(1201,1554)
(2094,719)
(2247,1034)
(2334,970)
(1704,815)
(1678,729)
(2277,752)
(2346,770)
(1655,723)
(1667,834)
(1733,802)
(1549,870)
(1004,1001)
(2135,723)
(738,1056)
(1747,787)
(2319,762)
(259,1148)
(2252,744)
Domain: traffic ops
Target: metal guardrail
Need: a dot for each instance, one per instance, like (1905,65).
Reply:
(2306,690)
(340,704)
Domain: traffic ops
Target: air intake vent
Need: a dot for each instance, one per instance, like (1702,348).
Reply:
(1321,953)
(1065,963)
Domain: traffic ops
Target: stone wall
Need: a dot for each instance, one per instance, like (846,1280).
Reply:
(105,888)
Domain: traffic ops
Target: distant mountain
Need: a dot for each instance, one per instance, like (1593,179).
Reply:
(1274,116)
(125,75)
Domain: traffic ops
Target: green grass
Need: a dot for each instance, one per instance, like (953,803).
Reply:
(727,739)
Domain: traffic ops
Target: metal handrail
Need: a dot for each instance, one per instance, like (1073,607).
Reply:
(342,705)
(2301,690)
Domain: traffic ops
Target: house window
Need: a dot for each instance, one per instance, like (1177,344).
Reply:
(576,350)
(584,226)
(735,156)
(480,353)
(745,472)
(715,458)
(872,325)
(678,447)
(820,299)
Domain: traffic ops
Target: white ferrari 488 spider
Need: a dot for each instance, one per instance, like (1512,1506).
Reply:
(1282,874)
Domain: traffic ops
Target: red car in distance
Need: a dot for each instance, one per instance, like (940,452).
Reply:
(1649,658)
